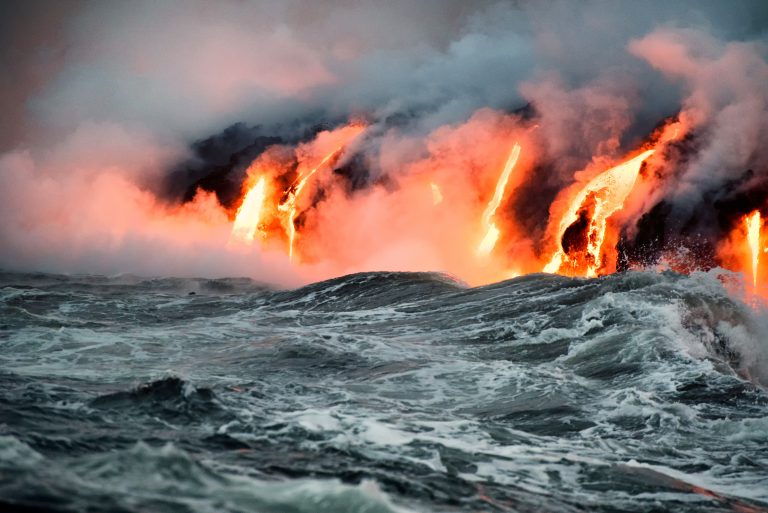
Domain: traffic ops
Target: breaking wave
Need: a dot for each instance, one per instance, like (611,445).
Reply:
(382,392)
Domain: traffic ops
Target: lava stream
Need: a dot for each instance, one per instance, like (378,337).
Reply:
(607,192)
(491,231)
(753,222)
(288,204)
(246,223)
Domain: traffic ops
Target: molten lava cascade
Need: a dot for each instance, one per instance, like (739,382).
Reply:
(581,230)
(581,219)
(249,214)
(288,204)
(491,231)
(258,206)
(753,222)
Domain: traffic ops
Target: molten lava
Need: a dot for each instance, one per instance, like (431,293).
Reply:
(261,210)
(491,231)
(591,207)
(753,222)
(394,223)
(288,204)
(246,224)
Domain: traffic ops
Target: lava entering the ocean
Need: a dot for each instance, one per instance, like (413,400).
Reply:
(491,231)
(753,223)
(589,212)
(284,206)
(246,224)
(583,221)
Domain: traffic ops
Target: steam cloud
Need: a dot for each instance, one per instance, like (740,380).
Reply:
(116,112)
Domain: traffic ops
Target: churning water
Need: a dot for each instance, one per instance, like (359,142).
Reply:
(381,392)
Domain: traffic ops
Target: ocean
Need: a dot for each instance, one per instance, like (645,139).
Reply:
(382,392)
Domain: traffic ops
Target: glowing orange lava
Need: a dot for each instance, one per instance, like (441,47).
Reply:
(246,224)
(261,210)
(425,216)
(753,223)
(492,233)
(288,204)
(595,203)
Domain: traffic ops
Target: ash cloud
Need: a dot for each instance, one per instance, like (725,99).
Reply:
(115,112)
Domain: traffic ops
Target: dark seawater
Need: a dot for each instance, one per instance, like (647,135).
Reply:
(381,392)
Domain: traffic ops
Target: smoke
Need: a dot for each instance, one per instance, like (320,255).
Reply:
(721,176)
(129,126)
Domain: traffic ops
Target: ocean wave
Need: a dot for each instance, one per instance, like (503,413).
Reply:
(538,393)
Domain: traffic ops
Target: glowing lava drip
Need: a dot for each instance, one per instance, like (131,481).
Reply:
(753,222)
(260,207)
(288,204)
(246,223)
(491,231)
(605,194)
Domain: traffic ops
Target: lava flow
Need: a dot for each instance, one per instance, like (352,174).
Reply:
(753,222)
(246,224)
(288,204)
(259,208)
(491,231)
(587,215)
(583,226)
